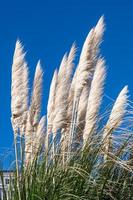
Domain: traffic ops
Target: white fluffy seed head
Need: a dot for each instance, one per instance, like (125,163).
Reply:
(99,30)
(35,107)
(16,88)
(95,98)
(58,113)
(19,90)
(70,61)
(51,102)
(71,81)
(63,86)
(62,68)
(82,105)
(25,98)
(118,112)
(115,119)
(88,56)
(41,129)
(25,91)
(85,64)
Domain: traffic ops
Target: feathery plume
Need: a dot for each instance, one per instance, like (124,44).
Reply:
(70,63)
(25,91)
(63,86)
(82,107)
(116,117)
(70,67)
(83,74)
(85,69)
(17,85)
(17,98)
(71,99)
(41,129)
(82,104)
(35,107)
(88,57)
(68,80)
(81,113)
(51,102)
(33,113)
(94,100)
(61,98)
(85,64)
(62,68)
(25,98)
(39,135)
(98,31)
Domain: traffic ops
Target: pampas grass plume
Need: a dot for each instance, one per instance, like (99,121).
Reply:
(94,100)
(51,102)
(35,107)
(115,118)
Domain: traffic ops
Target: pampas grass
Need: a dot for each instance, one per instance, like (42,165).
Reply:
(35,107)
(94,100)
(51,102)
(115,118)
(33,113)
(88,56)
(17,98)
(51,107)
(39,135)
(25,97)
(17,106)
(60,99)
(65,152)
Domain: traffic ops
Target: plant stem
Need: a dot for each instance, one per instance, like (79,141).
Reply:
(73,124)
(17,168)
(21,148)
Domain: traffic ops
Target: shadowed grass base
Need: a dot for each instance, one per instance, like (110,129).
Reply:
(86,176)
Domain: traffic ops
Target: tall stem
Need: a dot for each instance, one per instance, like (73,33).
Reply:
(73,124)
(47,149)
(17,168)
(21,148)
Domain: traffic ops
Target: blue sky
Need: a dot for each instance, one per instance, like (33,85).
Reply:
(47,28)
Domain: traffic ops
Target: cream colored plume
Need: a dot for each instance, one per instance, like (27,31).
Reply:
(51,102)
(62,68)
(17,86)
(85,70)
(82,107)
(34,112)
(35,107)
(60,99)
(70,66)
(25,98)
(67,134)
(25,91)
(70,63)
(64,82)
(41,129)
(94,100)
(116,117)
(40,134)
(71,99)
(34,138)
(98,31)
(17,68)
(63,86)
(88,57)
(81,113)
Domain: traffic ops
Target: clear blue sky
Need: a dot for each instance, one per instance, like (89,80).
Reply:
(47,29)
